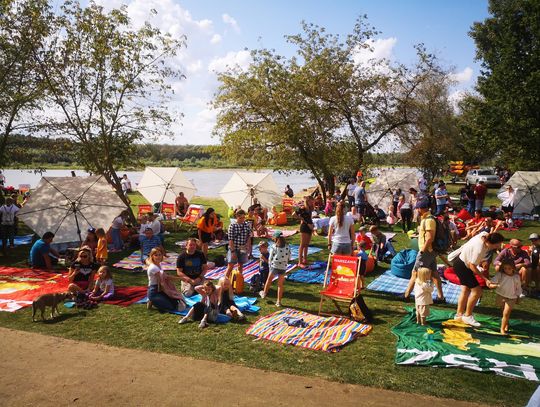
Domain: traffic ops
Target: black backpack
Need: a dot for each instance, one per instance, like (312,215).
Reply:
(359,311)
(442,240)
(219,260)
(256,284)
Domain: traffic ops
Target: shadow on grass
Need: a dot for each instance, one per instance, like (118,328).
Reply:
(61,318)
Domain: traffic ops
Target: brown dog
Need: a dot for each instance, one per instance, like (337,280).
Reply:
(50,300)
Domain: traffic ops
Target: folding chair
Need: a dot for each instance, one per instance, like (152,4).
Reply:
(344,281)
(193,213)
(143,209)
(167,210)
(287,204)
(24,188)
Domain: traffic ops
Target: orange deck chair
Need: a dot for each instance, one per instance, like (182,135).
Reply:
(143,209)
(343,283)
(288,205)
(193,213)
(167,210)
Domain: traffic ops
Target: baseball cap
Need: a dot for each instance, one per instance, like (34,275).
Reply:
(534,236)
(277,233)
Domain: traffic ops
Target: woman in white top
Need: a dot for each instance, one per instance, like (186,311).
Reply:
(507,197)
(467,261)
(156,297)
(341,232)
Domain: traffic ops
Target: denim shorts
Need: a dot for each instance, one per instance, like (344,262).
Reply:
(341,248)
(241,257)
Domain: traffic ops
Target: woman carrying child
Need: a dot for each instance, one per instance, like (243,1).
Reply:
(207,309)
(226,304)
(104,287)
(423,294)
(507,284)
(280,255)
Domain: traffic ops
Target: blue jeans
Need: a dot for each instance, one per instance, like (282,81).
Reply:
(470,207)
(118,243)
(160,300)
(440,209)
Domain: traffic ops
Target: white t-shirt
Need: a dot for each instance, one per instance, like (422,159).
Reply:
(104,283)
(8,214)
(507,198)
(342,234)
(117,222)
(153,274)
(474,251)
(509,286)
(423,293)
(156,226)
(126,184)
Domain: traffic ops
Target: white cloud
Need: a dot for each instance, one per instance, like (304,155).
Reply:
(241,59)
(227,19)
(379,49)
(216,39)
(194,66)
(456,96)
(463,76)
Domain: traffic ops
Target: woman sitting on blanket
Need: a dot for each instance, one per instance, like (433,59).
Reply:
(82,271)
(207,309)
(227,305)
(160,292)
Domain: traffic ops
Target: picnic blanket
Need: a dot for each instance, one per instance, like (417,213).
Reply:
(313,332)
(270,232)
(124,296)
(245,304)
(249,270)
(389,283)
(294,250)
(133,262)
(19,287)
(449,343)
(314,274)
(214,244)
(22,240)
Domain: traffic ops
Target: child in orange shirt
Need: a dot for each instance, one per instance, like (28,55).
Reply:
(102,253)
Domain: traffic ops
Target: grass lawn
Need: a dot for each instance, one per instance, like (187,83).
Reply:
(368,360)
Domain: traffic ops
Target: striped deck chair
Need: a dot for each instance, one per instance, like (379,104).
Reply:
(143,209)
(193,213)
(343,283)
(288,205)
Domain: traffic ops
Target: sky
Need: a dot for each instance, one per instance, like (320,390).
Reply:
(221,33)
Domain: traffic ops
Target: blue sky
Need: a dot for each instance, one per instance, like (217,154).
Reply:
(219,31)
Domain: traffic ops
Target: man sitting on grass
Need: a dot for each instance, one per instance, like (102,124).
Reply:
(148,242)
(39,253)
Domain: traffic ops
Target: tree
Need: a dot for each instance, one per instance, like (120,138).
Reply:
(507,113)
(24,26)
(110,83)
(321,110)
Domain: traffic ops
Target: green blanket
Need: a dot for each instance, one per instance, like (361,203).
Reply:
(448,343)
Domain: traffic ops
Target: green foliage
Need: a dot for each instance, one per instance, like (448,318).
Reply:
(505,116)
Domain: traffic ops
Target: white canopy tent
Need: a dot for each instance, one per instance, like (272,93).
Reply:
(527,191)
(244,186)
(380,192)
(163,184)
(67,205)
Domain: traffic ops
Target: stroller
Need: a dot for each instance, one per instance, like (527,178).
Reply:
(370,215)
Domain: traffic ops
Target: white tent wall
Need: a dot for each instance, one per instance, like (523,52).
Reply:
(527,187)
(380,192)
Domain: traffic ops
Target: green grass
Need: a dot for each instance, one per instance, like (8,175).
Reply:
(368,360)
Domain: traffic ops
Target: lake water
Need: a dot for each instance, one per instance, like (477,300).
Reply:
(208,182)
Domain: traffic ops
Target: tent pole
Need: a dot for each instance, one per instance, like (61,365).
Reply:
(76,221)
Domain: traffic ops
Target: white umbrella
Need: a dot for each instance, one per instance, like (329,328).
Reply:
(244,186)
(380,192)
(65,205)
(162,184)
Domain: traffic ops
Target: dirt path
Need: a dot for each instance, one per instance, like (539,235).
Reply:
(49,371)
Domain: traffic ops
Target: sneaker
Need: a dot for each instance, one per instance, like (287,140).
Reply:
(262,294)
(278,304)
(183,320)
(470,321)
(458,317)
(203,324)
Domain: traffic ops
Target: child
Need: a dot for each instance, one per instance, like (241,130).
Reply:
(227,305)
(507,284)
(363,262)
(104,287)
(391,219)
(363,237)
(264,267)
(280,255)
(102,253)
(379,242)
(423,290)
(205,310)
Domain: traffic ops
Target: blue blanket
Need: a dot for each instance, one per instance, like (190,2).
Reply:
(294,250)
(245,304)
(312,275)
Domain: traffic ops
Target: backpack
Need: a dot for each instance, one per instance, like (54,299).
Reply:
(359,311)
(219,260)
(442,240)
(255,285)
(237,282)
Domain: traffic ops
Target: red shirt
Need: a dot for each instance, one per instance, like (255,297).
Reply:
(480,191)
(365,239)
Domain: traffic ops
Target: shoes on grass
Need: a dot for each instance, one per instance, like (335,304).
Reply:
(470,321)
(458,317)
(262,294)
(182,320)
(278,304)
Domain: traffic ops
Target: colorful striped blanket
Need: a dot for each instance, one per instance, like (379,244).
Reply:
(389,283)
(214,244)
(294,250)
(133,261)
(286,232)
(250,269)
(320,333)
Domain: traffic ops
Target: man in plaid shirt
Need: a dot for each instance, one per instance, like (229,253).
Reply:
(239,239)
